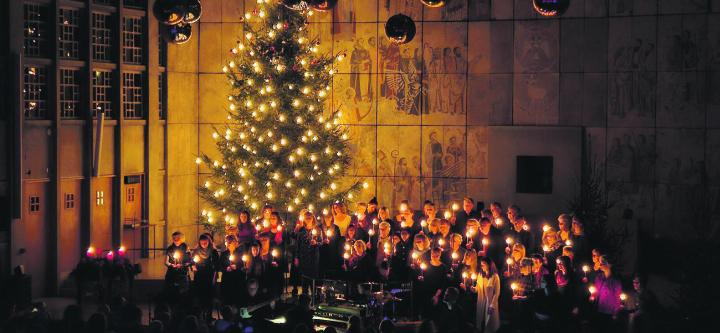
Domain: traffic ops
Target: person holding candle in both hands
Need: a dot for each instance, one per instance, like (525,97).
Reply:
(233,276)
(433,280)
(177,262)
(205,260)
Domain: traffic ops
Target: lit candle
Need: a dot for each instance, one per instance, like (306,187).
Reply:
(447,214)
(546,249)
(568,242)
(423,267)
(347,246)
(109,255)
(585,270)
(485,243)
(245,258)
(455,256)
(546,228)
(498,222)
(455,207)
(177,255)
(465,277)
(121,251)
(328,233)
(623,297)
(441,242)
(592,291)
(514,288)
(231,258)
(403,207)
(266,223)
(509,262)
(274,253)
(90,252)
(196,259)
(525,227)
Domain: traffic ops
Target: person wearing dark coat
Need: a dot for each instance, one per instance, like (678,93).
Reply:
(234,277)
(468,212)
(177,261)
(205,265)
(307,256)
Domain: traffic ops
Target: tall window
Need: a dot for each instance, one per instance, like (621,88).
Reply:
(133,40)
(68,33)
(35,92)
(102,42)
(135,3)
(102,93)
(133,95)
(69,93)
(37,33)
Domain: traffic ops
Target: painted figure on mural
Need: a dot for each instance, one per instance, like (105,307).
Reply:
(435,164)
(632,158)
(360,69)
(390,65)
(684,53)
(632,92)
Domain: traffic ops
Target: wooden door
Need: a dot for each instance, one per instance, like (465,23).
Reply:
(69,227)
(101,223)
(30,241)
(132,236)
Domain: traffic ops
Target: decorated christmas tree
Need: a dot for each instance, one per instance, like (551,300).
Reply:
(279,146)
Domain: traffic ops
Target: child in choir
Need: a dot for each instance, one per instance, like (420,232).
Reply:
(177,262)
(272,261)
(276,230)
(245,229)
(233,275)
(205,260)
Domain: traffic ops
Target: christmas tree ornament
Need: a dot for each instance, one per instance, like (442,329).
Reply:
(433,3)
(169,12)
(551,8)
(323,5)
(193,11)
(400,29)
(177,34)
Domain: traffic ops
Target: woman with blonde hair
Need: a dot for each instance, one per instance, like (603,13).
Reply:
(341,217)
